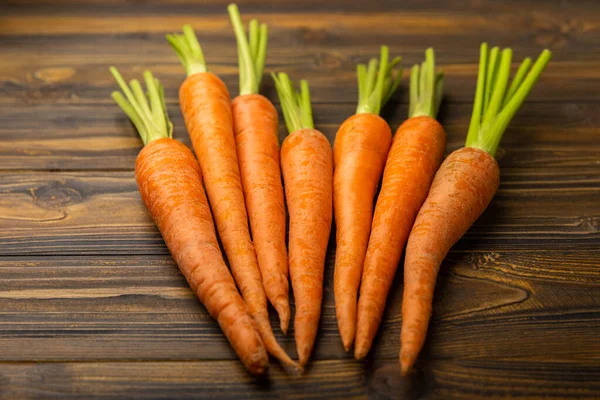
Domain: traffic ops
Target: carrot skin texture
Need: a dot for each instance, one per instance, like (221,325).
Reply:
(462,189)
(307,165)
(361,146)
(206,108)
(170,184)
(416,153)
(256,132)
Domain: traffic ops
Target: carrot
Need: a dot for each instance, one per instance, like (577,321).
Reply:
(256,130)
(170,184)
(206,108)
(360,150)
(307,165)
(462,189)
(415,155)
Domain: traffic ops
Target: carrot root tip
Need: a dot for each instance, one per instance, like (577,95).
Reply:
(283,311)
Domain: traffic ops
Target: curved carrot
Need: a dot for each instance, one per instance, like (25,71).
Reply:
(360,150)
(170,185)
(461,190)
(416,153)
(256,130)
(307,165)
(206,109)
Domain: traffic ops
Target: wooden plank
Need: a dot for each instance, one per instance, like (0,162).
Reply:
(488,306)
(176,380)
(73,69)
(51,213)
(448,379)
(476,7)
(99,136)
(457,379)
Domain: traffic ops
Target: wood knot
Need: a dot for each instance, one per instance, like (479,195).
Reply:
(53,75)
(56,195)
(313,36)
(332,60)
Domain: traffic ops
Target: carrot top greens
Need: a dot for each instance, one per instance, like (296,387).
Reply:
(251,52)
(375,87)
(297,111)
(495,102)
(188,50)
(150,119)
(426,88)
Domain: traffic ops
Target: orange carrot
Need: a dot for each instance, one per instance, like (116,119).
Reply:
(256,130)
(461,190)
(170,184)
(307,165)
(206,108)
(360,150)
(416,153)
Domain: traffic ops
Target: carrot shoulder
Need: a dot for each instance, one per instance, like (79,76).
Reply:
(415,155)
(307,165)
(206,109)
(170,185)
(461,190)
(361,146)
(256,130)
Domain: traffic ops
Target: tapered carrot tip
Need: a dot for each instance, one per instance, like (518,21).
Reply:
(283,311)
(360,351)
(347,338)
(303,354)
(407,360)
(295,370)
(347,341)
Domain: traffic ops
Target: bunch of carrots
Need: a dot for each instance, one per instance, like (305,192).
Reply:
(234,182)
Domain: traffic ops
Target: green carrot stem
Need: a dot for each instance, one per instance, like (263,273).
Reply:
(252,50)
(147,112)
(426,88)
(517,80)
(188,50)
(297,110)
(494,105)
(376,82)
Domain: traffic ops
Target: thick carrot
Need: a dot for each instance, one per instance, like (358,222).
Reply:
(170,185)
(461,190)
(416,153)
(360,150)
(206,109)
(256,130)
(307,165)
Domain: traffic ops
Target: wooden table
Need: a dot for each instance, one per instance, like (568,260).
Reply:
(91,303)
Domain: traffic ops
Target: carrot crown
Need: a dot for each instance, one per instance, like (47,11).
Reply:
(426,88)
(188,50)
(251,53)
(495,102)
(150,119)
(297,111)
(375,87)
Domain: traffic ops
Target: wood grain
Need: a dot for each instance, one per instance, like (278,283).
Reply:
(91,303)
(330,379)
(101,213)
(499,306)
(86,137)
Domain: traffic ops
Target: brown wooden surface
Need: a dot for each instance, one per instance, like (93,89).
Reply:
(92,305)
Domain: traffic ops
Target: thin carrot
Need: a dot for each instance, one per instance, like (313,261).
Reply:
(416,153)
(307,165)
(256,130)
(462,189)
(206,108)
(360,150)
(170,184)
